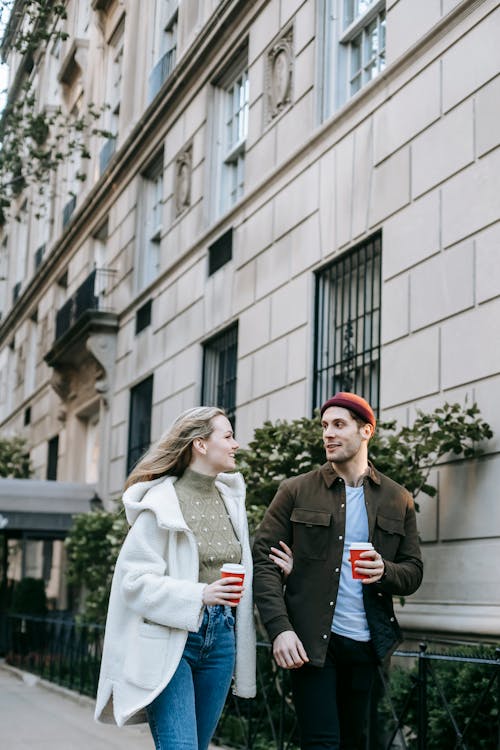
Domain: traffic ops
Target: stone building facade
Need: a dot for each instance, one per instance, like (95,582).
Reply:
(298,196)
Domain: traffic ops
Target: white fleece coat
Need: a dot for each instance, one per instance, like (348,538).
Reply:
(156,599)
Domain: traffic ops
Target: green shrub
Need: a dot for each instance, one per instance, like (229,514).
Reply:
(93,545)
(406,454)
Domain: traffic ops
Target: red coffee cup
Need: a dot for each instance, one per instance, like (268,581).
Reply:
(233,570)
(355,551)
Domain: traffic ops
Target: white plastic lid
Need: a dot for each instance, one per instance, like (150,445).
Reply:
(232,568)
(361,545)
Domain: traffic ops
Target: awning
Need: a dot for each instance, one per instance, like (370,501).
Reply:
(42,505)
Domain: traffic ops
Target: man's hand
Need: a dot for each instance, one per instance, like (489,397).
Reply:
(289,651)
(370,565)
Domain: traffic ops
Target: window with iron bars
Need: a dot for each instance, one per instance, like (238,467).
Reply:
(139,426)
(220,358)
(347,325)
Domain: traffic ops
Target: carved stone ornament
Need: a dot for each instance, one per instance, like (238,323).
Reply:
(183,174)
(279,75)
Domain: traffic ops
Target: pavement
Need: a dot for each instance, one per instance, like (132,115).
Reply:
(37,715)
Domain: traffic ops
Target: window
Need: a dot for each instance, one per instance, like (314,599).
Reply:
(220,252)
(114,69)
(347,328)
(353,42)
(4,275)
(143,317)
(164,44)
(220,357)
(231,105)
(52,456)
(150,218)
(139,429)
(21,245)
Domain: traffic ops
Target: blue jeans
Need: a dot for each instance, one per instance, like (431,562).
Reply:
(185,714)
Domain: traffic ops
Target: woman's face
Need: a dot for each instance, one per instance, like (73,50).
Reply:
(221,446)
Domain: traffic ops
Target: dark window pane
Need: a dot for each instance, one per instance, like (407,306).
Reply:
(52,454)
(139,434)
(220,252)
(143,317)
(347,343)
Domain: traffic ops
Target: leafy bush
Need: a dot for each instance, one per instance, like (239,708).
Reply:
(406,454)
(14,458)
(280,450)
(93,545)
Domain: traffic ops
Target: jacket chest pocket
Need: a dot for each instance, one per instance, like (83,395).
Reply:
(389,533)
(311,533)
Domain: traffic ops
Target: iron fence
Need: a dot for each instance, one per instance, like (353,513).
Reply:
(59,650)
(438,701)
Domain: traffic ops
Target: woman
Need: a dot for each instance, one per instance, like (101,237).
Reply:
(170,650)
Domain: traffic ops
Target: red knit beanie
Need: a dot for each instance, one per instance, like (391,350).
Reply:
(354,403)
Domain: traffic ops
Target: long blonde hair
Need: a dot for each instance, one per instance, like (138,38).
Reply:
(172,453)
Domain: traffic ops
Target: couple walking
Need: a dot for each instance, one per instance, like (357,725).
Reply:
(175,640)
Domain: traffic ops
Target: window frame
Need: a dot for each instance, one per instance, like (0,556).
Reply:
(143,389)
(150,224)
(347,346)
(229,152)
(336,35)
(212,384)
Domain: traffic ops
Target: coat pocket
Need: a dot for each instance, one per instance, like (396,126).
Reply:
(144,664)
(311,533)
(389,533)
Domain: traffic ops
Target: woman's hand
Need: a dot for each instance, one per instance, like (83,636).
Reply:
(283,558)
(223,591)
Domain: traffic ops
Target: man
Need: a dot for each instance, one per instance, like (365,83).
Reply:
(328,628)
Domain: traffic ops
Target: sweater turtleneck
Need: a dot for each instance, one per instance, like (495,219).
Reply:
(205,513)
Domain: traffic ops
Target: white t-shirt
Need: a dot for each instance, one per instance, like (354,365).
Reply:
(349,618)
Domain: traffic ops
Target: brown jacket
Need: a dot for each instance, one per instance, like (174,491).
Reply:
(308,513)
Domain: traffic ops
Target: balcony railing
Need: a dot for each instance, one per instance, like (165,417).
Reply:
(161,72)
(69,654)
(86,297)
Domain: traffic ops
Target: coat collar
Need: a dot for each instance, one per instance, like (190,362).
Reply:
(330,475)
(160,497)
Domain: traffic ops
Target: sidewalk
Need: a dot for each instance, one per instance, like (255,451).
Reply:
(35,715)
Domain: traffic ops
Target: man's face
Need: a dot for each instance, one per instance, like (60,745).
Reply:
(343,437)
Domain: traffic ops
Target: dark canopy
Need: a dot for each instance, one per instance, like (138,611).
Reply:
(42,505)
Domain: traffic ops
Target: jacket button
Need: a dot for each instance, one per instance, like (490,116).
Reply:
(379,593)
(392,619)
(343,505)
(337,570)
(341,537)
(331,604)
(325,636)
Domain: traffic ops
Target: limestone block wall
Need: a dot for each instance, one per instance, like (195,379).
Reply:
(415,155)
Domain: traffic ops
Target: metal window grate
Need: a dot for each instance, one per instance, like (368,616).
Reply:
(347,327)
(139,429)
(220,359)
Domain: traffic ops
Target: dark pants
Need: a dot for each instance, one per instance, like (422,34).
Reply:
(332,701)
